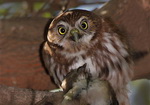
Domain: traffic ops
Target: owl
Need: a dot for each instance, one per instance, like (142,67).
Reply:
(78,37)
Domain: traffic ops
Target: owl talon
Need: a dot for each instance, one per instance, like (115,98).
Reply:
(71,95)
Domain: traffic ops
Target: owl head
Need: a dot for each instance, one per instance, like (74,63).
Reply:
(74,29)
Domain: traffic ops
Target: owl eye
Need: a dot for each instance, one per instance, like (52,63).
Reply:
(84,25)
(62,30)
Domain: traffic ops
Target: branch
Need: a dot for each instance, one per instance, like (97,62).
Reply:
(18,96)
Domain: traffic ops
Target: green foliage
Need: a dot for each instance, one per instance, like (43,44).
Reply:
(8,10)
(3,11)
(37,6)
(46,15)
(23,9)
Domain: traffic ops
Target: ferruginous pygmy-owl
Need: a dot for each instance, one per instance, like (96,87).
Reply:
(76,37)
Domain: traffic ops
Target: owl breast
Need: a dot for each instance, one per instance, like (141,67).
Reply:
(91,64)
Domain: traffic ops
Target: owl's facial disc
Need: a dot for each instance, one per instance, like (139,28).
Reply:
(74,29)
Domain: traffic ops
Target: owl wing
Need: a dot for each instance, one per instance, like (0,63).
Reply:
(45,52)
(46,56)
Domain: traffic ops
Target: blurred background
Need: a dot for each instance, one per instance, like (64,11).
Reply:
(22,24)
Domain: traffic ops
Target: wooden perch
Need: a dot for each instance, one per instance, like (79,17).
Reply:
(18,96)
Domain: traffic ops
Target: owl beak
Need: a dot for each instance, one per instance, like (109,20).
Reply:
(75,35)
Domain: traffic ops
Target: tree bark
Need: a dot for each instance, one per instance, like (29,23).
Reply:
(18,96)
(20,64)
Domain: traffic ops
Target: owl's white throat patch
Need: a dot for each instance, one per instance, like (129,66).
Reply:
(87,38)
(79,61)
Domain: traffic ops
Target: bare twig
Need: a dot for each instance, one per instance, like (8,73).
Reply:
(64,4)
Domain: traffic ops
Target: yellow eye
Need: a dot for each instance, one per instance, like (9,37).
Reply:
(84,25)
(62,30)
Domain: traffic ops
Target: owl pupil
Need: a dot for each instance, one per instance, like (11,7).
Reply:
(83,25)
(63,30)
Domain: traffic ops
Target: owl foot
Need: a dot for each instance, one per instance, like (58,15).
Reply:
(75,83)
(74,93)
